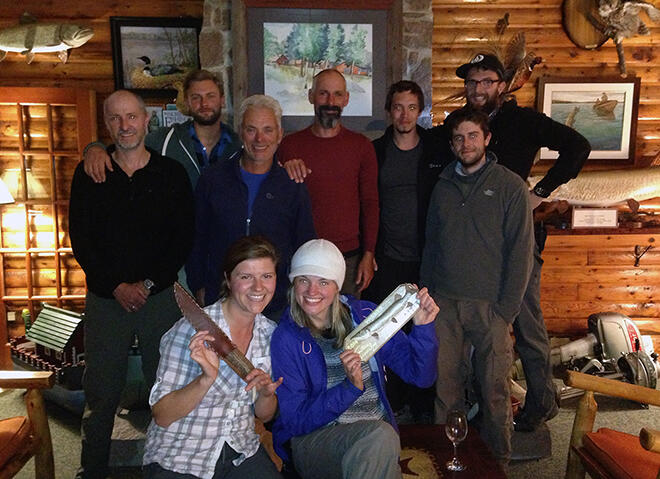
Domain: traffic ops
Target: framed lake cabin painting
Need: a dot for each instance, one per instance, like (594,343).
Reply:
(288,47)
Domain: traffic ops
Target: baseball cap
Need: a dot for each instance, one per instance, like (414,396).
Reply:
(484,61)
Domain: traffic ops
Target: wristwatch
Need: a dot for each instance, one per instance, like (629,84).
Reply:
(149,285)
(541,192)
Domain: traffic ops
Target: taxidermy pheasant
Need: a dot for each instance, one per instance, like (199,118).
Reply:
(619,19)
(518,64)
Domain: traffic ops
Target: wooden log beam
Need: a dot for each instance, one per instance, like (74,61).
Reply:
(583,423)
(610,387)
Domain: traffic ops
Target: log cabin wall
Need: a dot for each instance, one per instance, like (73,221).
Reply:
(583,273)
(586,273)
(462,27)
(35,266)
(89,66)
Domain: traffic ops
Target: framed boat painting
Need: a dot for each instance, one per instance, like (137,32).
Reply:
(603,110)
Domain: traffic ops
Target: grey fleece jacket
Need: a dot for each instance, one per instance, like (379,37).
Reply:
(176,142)
(479,246)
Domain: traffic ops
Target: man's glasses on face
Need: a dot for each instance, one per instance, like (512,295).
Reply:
(486,82)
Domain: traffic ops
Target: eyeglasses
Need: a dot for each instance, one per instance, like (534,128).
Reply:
(486,82)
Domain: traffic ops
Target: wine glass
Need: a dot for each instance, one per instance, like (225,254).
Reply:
(456,428)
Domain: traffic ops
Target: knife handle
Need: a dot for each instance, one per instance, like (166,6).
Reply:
(238,362)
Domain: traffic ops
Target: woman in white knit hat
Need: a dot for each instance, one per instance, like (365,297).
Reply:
(335,420)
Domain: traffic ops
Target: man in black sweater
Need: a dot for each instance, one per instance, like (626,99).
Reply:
(517,135)
(131,235)
(409,162)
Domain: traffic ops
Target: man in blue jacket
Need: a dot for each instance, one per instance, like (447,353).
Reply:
(249,194)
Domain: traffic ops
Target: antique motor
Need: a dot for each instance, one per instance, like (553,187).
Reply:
(612,349)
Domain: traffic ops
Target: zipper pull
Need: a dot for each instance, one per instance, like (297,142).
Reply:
(247,227)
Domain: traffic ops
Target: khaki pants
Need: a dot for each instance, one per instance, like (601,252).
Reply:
(460,325)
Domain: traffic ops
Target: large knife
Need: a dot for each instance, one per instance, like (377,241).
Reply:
(201,321)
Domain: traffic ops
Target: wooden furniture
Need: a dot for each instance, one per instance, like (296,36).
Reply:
(431,439)
(27,437)
(580,458)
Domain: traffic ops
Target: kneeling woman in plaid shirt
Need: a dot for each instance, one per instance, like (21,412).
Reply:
(203,412)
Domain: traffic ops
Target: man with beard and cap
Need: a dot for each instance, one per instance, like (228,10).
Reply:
(196,143)
(342,179)
(476,264)
(409,162)
(130,234)
(517,134)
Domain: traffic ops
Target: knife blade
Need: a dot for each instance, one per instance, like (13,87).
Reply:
(222,345)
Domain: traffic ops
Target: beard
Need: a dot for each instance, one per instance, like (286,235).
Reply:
(126,144)
(471,158)
(327,119)
(491,103)
(205,119)
(404,131)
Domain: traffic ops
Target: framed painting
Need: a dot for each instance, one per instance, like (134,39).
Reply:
(287,47)
(150,55)
(603,110)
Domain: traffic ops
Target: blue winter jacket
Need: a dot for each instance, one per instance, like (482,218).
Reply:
(281,212)
(306,403)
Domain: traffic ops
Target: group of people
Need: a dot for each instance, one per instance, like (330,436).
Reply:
(237,217)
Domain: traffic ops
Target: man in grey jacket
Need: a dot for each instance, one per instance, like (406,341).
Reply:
(196,143)
(476,263)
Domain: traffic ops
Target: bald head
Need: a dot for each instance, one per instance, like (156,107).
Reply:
(126,118)
(124,95)
(329,97)
(328,72)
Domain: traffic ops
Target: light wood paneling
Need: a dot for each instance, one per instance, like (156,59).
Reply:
(461,28)
(89,66)
(590,273)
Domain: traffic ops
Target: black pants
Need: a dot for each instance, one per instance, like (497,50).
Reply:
(258,466)
(391,273)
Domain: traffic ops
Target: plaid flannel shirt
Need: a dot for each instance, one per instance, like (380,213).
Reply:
(192,444)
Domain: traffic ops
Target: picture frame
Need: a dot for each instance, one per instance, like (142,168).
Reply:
(366,83)
(603,110)
(151,54)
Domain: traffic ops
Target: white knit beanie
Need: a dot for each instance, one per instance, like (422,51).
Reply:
(321,258)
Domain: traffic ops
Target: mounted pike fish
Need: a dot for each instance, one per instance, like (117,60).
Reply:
(30,37)
(608,188)
(201,321)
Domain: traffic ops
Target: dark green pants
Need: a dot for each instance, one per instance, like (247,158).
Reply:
(109,332)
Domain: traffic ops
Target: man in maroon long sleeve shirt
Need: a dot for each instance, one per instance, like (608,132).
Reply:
(343,181)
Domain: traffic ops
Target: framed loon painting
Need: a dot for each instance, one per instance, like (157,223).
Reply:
(153,55)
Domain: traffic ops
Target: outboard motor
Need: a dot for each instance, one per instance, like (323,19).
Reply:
(613,348)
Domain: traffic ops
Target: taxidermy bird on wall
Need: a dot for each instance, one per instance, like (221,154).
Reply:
(30,37)
(619,19)
(518,63)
